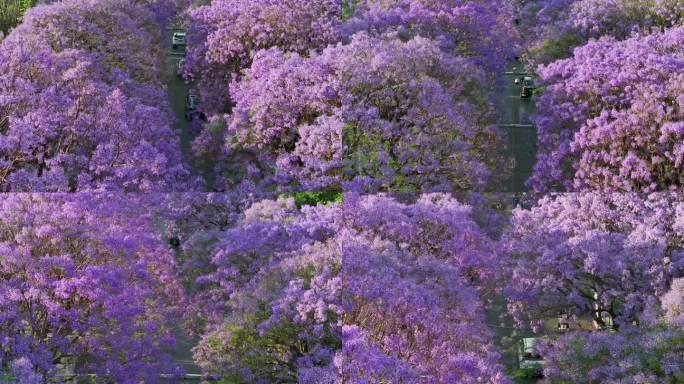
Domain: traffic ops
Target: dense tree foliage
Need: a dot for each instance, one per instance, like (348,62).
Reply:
(651,353)
(637,356)
(348,244)
(482,30)
(595,256)
(553,28)
(321,294)
(84,280)
(417,273)
(401,103)
(374,113)
(82,107)
(611,116)
(225,35)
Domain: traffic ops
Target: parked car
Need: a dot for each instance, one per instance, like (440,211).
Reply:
(526,85)
(178,40)
(528,358)
(191,108)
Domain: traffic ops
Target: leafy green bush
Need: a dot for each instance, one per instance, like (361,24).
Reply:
(526,373)
(348,7)
(315,198)
(11,12)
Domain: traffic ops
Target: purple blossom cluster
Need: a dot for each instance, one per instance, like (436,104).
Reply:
(610,117)
(592,256)
(86,287)
(394,99)
(652,356)
(82,105)
(371,289)
(610,108)
(388,288)
(225,35)
(610,264)
(482,30)
(376,114)
(347,245)
(553,28)
(417,273)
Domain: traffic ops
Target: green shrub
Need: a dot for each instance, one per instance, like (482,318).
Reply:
(11,12)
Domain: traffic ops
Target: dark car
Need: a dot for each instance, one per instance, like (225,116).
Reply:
(191,108)
(526,85)
(178,40)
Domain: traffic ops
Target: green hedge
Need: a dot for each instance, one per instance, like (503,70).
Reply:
(11,11)
(348,7)
(315,198)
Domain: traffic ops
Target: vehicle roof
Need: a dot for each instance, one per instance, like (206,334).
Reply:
(529,343)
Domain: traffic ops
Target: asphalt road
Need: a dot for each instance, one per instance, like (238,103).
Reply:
(178,89)
(522,145)
(522,139)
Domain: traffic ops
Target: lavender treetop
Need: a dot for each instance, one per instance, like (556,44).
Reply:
(611,116)
(581,253)
(121,36)
(272,300)
(376,113)
(415,274)
(479,29)
(71,118)
(650,353)
(653,356)
(84,278)
(350,293)
(224,36)
(552,29)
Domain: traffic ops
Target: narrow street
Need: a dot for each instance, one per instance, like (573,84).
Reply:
(178,89)
(514,118)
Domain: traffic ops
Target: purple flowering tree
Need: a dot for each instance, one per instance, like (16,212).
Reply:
(611,116)
(637,356)
(82,109)
(482,30)
(272,301)
(652,352)
(223,38)
(86,287)
(373,114)
(373,289)
(595,256)
(553,28)
(415,273)
(105,29)
(609,258)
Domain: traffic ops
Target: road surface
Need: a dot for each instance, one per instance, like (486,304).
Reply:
(522,139)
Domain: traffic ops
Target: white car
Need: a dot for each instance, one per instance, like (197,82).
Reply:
(528,358)
(178,40)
